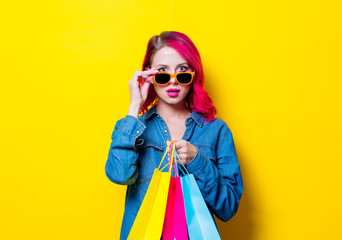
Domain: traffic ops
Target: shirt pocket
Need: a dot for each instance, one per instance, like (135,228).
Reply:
(150,155)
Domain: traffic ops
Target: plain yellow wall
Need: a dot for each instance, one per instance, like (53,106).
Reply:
(273,69)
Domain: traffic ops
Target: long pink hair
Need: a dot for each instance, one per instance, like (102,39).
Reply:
(197,99)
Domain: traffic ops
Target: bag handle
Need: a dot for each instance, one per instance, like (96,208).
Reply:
(177,156)
(175,163)
(174,160)
(167,149)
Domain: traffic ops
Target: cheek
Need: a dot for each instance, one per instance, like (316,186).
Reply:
(160,90)
(186,89)
(157,88)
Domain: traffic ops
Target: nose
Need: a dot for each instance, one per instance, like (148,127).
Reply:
(173,80)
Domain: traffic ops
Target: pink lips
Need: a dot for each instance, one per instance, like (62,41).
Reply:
(172,92)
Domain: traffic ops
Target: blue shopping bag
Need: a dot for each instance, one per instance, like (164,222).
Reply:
(201,225)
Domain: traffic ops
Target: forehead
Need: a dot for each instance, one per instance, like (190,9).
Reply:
(167,56)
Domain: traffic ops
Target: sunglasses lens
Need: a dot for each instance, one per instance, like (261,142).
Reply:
(184,78)
(162,78)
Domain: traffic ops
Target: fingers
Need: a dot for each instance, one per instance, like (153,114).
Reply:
(186,151)
(150,79)
(168,141)
(180,144)
(146,74)
(142,75)
(183,149)
(151,74)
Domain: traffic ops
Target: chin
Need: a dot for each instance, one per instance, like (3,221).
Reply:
(172,101)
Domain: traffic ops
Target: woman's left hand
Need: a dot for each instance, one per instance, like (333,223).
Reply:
(185,150)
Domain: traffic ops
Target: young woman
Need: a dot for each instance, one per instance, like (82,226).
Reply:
(168,102)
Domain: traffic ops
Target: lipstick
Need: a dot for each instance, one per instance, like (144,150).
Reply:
(173,92)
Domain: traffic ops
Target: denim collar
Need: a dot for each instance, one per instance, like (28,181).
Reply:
(197,117)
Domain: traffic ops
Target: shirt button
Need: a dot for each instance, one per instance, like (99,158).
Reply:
(166,131)
(137,131)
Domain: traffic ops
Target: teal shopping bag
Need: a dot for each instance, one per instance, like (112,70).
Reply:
(201,225)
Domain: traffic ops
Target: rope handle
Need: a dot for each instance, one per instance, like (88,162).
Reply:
(177,156)
(167,149)
(174,157)
(175,163)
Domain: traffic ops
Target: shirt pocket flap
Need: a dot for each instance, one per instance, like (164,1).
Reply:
(150,155)
(146,143)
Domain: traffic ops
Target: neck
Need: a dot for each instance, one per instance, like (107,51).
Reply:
(168,111)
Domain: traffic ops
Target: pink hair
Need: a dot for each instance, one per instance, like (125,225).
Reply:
(197,98)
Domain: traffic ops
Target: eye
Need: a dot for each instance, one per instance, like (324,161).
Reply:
(163,69)
(183,68)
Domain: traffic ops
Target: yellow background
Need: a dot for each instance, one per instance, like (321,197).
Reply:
(273,69)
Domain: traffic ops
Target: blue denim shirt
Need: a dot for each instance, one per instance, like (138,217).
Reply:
(138,145)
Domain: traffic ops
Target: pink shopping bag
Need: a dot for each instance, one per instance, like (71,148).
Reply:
(175,227)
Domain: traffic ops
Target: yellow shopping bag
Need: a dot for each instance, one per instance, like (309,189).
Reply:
(149,221)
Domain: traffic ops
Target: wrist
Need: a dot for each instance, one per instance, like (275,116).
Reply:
(134,109)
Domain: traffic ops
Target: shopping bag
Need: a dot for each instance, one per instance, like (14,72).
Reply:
(148,223)
(175,227)
(201,225)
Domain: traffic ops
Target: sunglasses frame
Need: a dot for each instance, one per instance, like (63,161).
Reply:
(173,75)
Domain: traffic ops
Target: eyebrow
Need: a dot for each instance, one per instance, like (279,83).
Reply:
(168,65)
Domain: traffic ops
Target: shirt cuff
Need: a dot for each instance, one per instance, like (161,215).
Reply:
(131,126)
(198,164)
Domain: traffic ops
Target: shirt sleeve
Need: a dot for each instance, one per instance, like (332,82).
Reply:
(121,165)
(220,182)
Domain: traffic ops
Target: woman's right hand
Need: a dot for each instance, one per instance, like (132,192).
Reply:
(138,88)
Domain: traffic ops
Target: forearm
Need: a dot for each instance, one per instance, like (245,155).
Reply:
(121,166)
